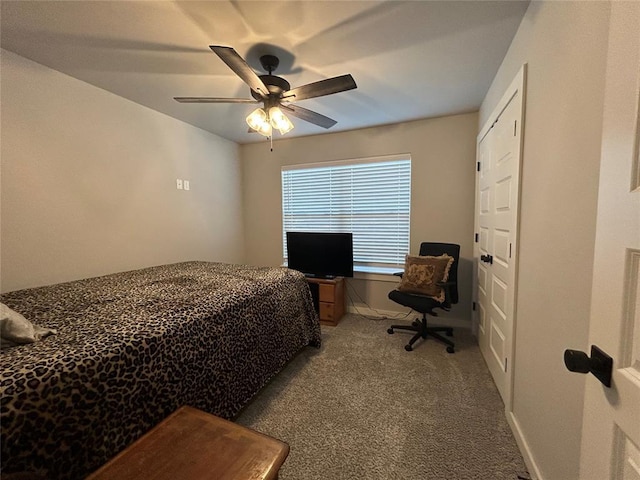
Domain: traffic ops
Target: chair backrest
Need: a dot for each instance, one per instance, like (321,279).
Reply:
(436,249)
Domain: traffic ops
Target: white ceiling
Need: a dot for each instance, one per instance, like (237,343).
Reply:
(411,60)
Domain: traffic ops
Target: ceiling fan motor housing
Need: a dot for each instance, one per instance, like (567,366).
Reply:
(276,86)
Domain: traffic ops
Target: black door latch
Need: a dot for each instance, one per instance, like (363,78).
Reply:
(487,258)
(600,364)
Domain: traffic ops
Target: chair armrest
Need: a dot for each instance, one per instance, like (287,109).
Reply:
(446,285)
(398,274)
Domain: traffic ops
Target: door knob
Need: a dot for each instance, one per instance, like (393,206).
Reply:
(600,364)
(487,258)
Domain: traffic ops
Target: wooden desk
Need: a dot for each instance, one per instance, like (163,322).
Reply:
(194,445)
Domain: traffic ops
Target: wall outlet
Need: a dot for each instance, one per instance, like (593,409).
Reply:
(186,184)
(179,184)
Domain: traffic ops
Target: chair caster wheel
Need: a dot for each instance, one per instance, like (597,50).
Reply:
(390,330)
(450,350)
(408,348)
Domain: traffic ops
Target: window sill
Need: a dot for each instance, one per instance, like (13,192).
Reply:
(380,274)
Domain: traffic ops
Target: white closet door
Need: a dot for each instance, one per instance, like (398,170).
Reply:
(497,205)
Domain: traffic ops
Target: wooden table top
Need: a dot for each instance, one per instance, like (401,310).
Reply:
(194,445)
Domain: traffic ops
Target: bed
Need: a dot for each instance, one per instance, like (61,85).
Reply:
(132,347)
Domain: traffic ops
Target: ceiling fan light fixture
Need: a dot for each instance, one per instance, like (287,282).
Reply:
(258,121)
(279,120)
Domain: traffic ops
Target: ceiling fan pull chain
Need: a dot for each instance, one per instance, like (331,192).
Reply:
(271,140)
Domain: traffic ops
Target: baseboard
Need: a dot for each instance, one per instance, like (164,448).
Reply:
(382,314)
(532,467)
(378,314)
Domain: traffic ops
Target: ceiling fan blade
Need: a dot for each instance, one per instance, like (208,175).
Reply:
(236,63)
(321,88)
(213,100)
(309,116)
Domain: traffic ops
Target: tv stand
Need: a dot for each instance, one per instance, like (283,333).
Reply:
(328,298)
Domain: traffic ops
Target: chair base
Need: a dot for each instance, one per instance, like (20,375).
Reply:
(423,331)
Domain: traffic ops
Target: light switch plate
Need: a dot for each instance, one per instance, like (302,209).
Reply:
(179,184)
(186,184)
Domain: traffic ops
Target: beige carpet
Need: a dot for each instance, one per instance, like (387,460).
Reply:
(361,407)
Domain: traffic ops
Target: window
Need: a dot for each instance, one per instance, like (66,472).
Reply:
(368,197)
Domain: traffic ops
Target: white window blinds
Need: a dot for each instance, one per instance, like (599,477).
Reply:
(368,197)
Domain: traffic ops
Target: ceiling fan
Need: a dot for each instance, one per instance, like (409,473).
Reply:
(275,93)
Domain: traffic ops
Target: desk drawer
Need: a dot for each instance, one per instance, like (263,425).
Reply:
(327,293)
(326,311)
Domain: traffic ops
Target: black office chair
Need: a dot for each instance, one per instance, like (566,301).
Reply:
(425,305)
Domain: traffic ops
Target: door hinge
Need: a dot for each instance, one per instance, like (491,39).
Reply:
(478,166)
(505,365)
(477,237)
(509,250)
(473,306)
(515,126)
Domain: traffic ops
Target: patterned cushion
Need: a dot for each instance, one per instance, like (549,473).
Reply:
(423,273)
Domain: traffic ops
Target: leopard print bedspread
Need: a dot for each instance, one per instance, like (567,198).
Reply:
(132,347)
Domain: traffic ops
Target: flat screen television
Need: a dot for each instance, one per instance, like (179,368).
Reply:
(324,255)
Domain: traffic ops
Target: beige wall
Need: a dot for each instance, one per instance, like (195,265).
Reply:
(442,193)
(88,183)
(564,44)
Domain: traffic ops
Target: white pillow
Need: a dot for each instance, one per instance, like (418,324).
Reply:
(16,330)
